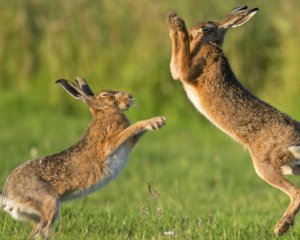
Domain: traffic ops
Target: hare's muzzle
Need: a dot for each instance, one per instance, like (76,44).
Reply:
(131,101)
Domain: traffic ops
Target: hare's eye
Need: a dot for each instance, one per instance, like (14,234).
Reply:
(206,29)
(105,94)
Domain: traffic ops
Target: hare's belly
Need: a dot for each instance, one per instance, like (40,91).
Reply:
(115,164)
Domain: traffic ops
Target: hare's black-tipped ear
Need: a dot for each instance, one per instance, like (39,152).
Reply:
(237,9)
(84,86)
(70,88)
(237,17)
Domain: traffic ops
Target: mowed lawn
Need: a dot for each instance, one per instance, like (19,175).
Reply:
(185,181)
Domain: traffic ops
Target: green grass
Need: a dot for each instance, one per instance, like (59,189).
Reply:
(203,184)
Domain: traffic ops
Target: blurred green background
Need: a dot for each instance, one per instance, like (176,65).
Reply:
(125,45)
(205,179)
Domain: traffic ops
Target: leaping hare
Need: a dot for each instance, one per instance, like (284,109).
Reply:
(34,190)
(272,137)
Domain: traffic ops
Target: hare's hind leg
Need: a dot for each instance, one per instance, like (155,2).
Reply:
(274,177)
(50,211)
(49,207)
(53,212)
(32,199)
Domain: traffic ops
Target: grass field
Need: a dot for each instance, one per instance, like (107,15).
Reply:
(185,181)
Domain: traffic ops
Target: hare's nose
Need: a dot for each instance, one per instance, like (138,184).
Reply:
(130,96)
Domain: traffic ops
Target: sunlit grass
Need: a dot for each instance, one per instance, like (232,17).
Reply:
(185,181)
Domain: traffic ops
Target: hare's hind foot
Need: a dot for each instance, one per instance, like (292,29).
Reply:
(287,220)
(43,227)
(283,225)
(274,177)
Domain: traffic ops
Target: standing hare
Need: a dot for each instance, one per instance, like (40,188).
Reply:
(34,190)
(272,137)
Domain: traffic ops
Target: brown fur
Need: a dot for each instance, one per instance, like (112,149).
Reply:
(199,63)
(34,190)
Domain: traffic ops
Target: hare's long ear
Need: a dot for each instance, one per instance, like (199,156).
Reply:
(237,17)
(84,86)
(72,89)
(237,9)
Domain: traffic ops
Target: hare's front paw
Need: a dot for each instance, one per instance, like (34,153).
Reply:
(175,22)
(155,123)
(170,19)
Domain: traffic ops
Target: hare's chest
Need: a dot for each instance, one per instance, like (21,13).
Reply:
(194,97)
(203,106)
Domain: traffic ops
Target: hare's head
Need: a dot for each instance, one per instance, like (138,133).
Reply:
(214,32)
(104,99)
(114,99)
